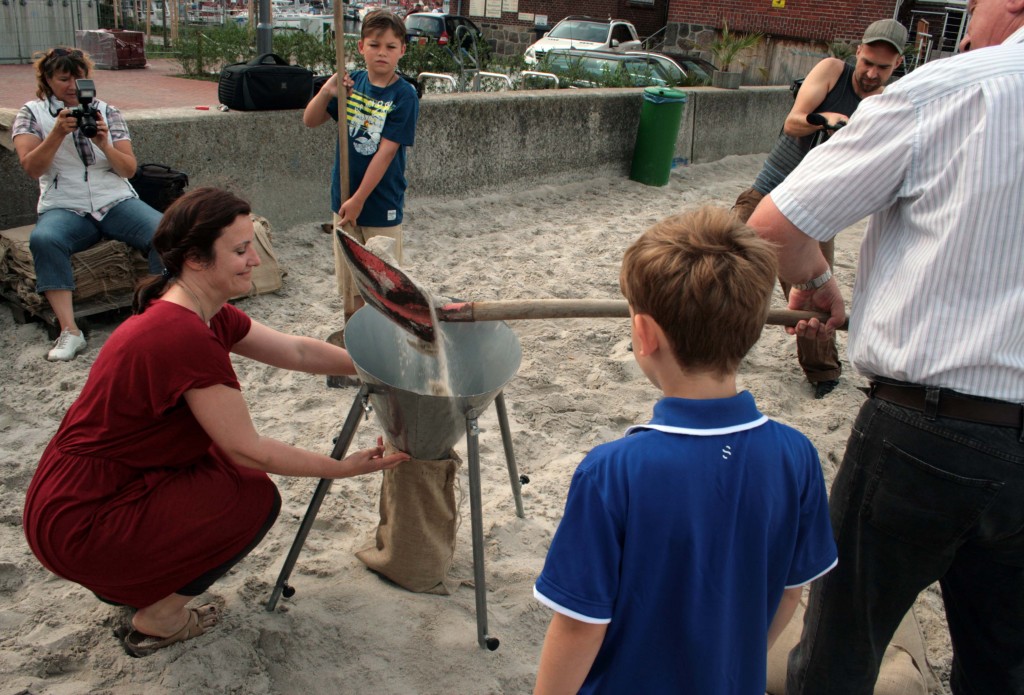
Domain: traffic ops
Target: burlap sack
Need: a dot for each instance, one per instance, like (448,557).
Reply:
(267,276)
(904,669)
(104,271)
(419,515)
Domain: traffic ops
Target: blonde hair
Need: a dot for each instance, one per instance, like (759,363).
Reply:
(59,59)
(706,279)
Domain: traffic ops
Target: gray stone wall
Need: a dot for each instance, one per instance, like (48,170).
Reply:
(465,144)
(507,39)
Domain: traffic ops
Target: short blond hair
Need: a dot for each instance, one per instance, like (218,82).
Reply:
(707,280)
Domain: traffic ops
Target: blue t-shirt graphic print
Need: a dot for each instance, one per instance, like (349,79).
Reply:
(373,114)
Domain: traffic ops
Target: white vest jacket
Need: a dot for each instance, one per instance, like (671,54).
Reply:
(68,183)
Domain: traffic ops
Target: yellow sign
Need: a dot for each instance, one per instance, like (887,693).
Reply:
(779,3)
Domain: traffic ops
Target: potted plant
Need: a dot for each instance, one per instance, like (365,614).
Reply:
(725,49)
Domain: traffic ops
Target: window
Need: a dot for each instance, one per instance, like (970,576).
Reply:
(621,33)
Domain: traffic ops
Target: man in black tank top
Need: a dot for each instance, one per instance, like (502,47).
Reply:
(832,89)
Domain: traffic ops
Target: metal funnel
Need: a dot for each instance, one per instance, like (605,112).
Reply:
(403,374)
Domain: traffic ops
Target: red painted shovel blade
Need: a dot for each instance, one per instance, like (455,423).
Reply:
(388,289)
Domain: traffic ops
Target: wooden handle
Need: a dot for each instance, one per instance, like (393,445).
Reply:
(339,54)
(513,309)
(517,309)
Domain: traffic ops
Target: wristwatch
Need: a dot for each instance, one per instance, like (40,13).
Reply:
(816,282)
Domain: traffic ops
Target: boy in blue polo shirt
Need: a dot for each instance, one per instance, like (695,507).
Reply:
(685,544)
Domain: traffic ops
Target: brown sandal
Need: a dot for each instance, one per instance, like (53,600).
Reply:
(140,644)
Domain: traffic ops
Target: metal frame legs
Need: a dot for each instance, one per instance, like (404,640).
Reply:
(361,407)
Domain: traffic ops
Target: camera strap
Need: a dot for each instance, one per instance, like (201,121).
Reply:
(52,103)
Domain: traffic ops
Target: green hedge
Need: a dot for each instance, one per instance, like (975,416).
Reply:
(203,51)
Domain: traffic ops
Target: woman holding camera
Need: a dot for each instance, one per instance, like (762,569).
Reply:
(84,194)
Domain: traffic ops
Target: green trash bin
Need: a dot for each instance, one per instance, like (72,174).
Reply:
(660,116)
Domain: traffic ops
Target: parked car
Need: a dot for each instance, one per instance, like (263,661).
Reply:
(352,11)
(585,34)
(598,68)
(424,27)
(682,69)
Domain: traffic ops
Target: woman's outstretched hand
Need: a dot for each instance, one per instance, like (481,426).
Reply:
(372,460)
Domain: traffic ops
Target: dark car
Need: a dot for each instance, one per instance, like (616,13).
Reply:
(586,68)
(424,27)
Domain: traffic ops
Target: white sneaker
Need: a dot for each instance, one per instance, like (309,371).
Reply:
(66,347)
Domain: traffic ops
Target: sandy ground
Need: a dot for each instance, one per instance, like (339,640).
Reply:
(346,630)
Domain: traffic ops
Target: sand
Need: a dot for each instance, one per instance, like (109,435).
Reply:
(346,630)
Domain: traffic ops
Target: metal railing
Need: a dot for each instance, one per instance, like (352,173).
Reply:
(651,41)
(439,76)
(480,75)
(542,75)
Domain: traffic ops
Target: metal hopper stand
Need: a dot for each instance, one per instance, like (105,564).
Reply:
(396,378)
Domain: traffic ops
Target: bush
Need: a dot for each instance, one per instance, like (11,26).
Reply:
(205,50)
(202,51)
(319,56)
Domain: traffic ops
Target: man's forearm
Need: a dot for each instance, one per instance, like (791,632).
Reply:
(800,257)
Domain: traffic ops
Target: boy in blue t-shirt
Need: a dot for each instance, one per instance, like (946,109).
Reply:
(685,544)
(382,109)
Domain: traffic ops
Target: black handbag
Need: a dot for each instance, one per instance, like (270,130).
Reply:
(265,83)
(158,185)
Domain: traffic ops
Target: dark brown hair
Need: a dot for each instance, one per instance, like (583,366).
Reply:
(382,20)
(188,231)
(706,279)
(59,59)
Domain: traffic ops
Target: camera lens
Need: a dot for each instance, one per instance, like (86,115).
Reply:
(87,123)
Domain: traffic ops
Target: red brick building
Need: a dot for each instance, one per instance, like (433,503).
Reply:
(838,20)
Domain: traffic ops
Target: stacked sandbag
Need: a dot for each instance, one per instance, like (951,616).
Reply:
(109,270)
(105,271)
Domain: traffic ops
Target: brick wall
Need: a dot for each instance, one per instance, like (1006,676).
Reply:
(839,20)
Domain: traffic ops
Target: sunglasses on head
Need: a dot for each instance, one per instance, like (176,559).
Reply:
(64,52)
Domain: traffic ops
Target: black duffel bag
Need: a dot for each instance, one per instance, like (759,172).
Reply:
(158,185)
(266,83)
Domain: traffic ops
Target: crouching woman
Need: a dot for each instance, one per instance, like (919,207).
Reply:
(156,483)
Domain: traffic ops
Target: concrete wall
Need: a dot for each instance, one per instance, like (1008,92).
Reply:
(465,144)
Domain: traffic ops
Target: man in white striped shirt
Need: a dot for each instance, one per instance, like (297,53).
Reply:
(932,484)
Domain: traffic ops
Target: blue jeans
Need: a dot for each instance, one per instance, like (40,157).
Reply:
(60,233)
(919,500)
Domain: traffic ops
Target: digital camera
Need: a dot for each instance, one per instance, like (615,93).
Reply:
(85,113)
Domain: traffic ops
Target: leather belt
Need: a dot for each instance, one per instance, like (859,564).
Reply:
(937,402)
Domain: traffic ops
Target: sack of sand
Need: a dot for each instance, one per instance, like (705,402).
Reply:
(414,545)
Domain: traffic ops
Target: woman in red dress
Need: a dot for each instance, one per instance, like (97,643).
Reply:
(156,482)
